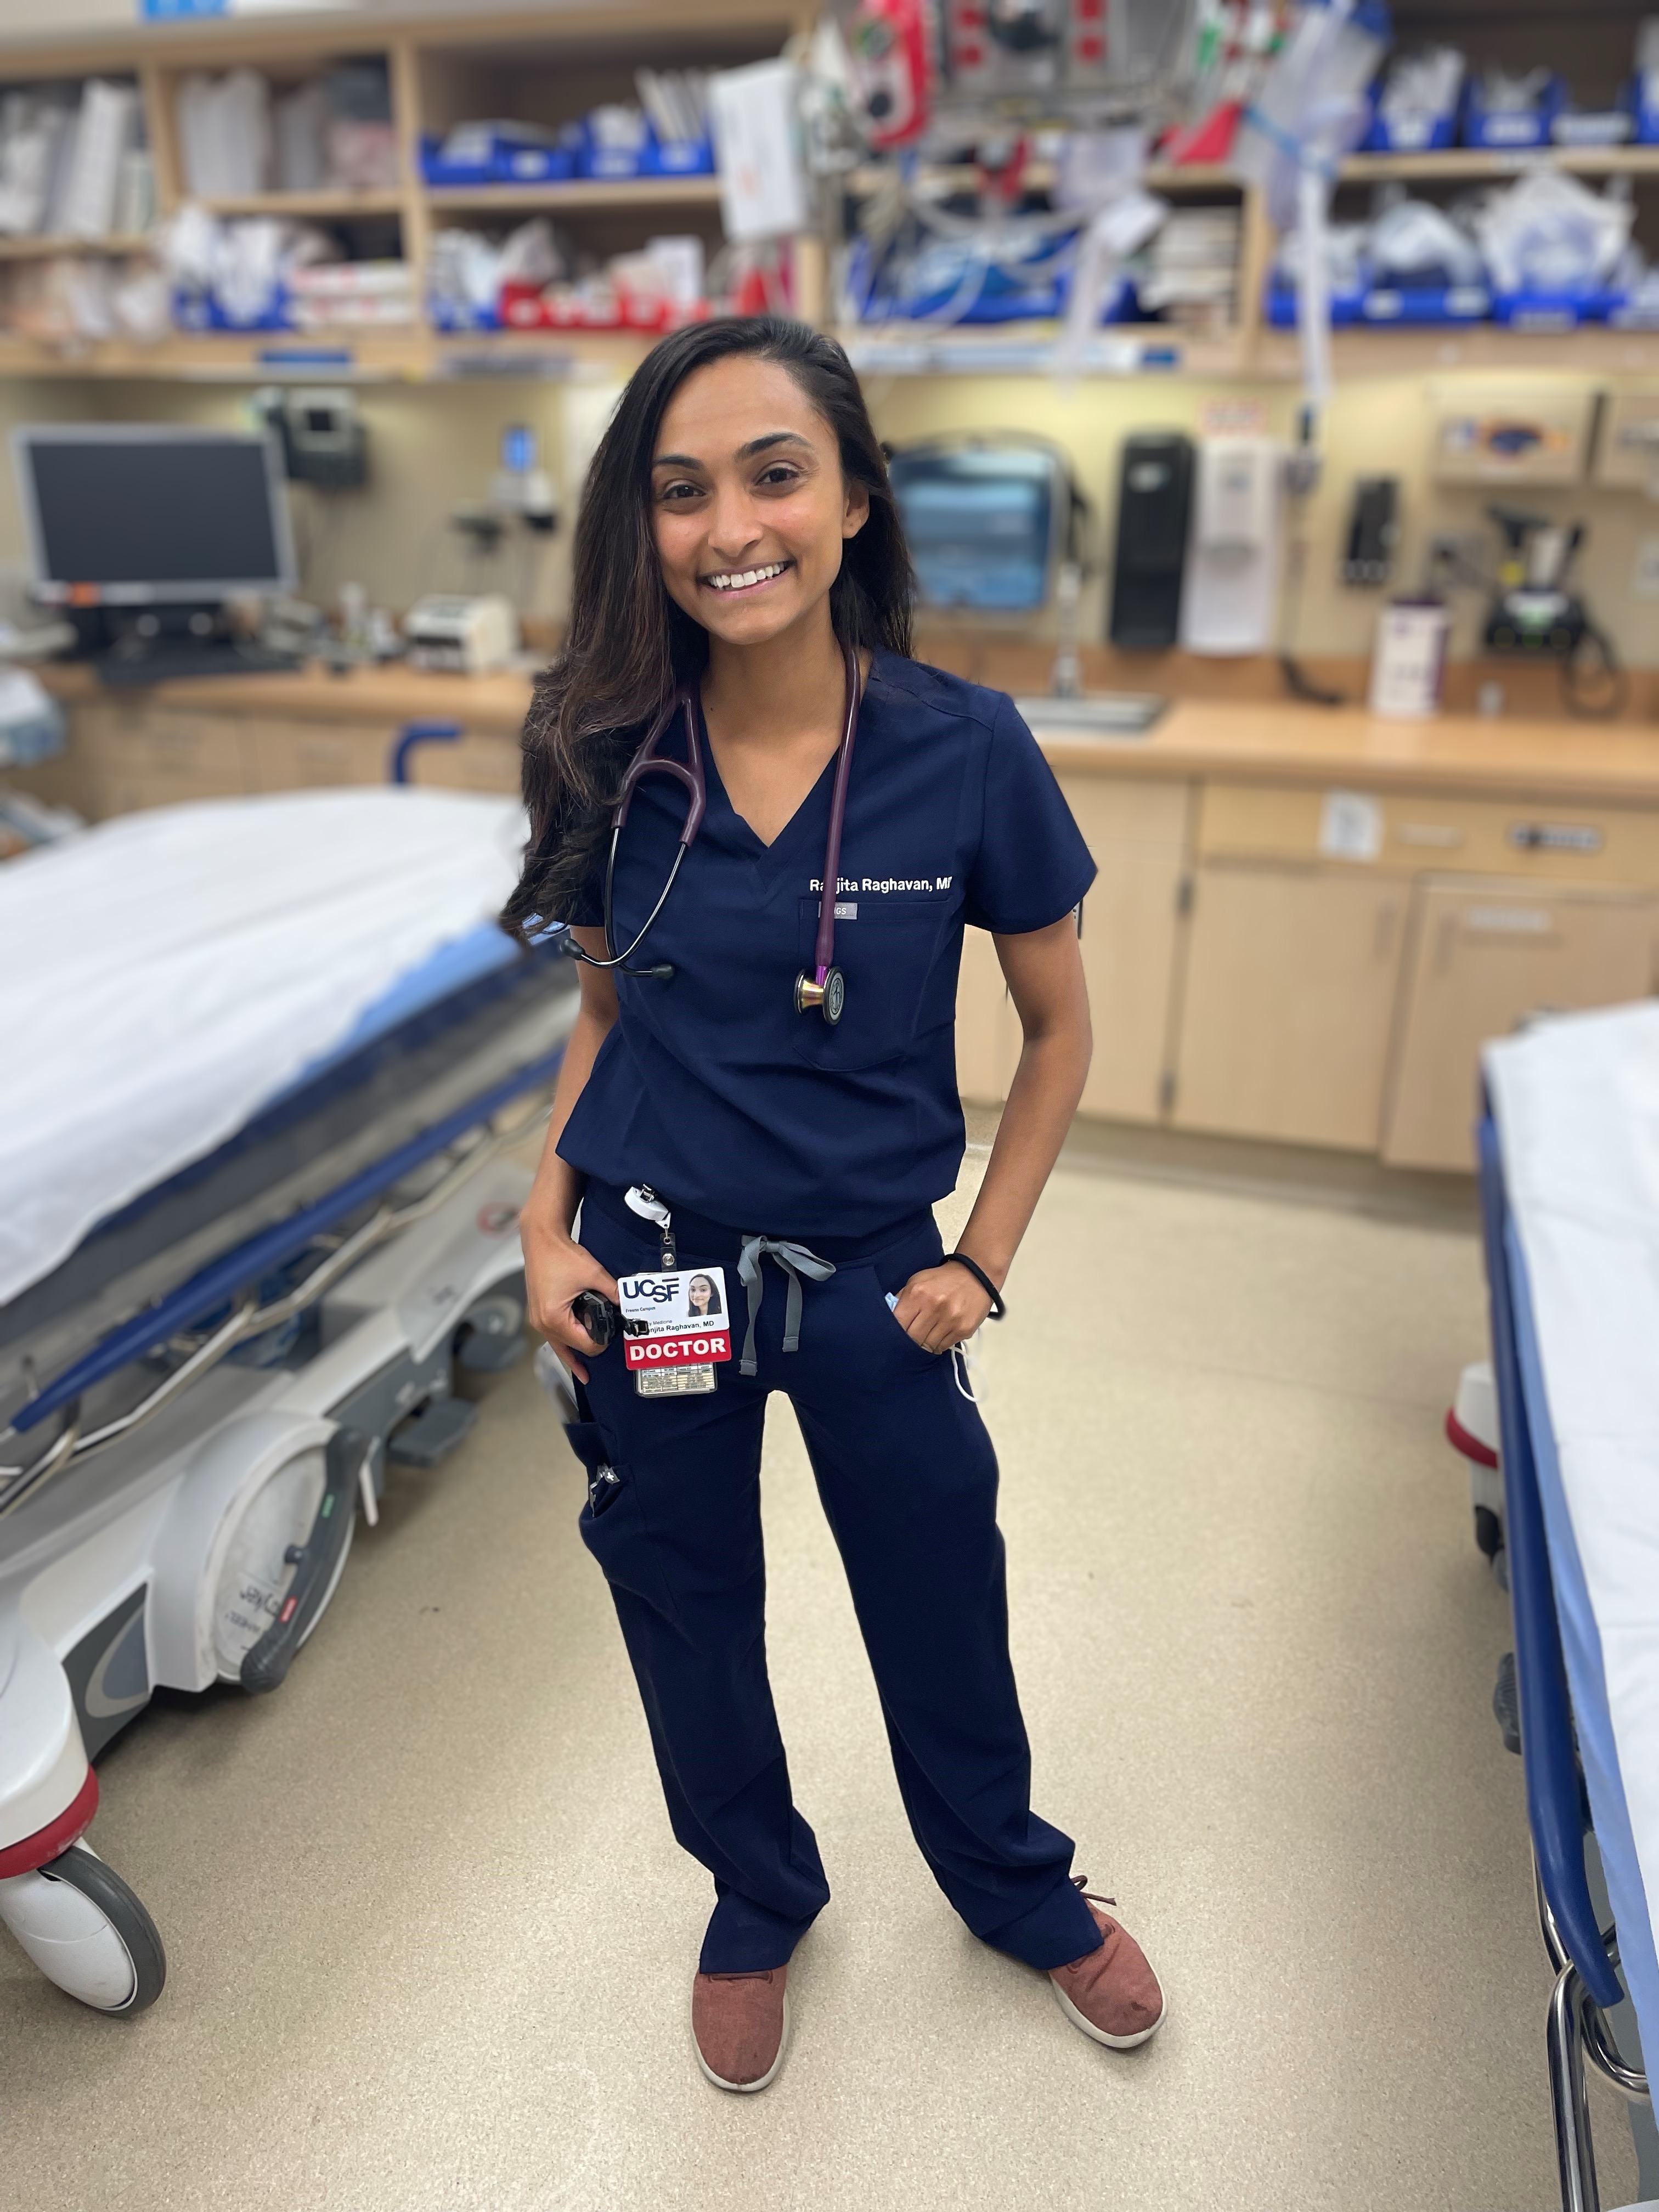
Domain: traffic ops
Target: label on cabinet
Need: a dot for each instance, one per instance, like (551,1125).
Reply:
(1349,826)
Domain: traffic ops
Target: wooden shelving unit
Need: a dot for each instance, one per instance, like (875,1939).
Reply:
(548,67)
(582,195)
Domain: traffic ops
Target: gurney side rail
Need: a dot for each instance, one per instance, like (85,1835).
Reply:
(227,1277)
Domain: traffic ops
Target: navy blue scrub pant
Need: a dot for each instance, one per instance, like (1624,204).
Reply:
(908,1479)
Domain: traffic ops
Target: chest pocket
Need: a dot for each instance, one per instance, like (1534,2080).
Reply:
(886,955)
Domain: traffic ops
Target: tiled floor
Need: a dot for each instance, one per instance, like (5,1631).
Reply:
(430,1941)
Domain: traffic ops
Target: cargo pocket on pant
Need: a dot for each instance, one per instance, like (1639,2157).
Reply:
(611,1524)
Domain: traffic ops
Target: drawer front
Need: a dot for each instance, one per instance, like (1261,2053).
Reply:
(474,762)
(128,742)
(299,756)
(1547,842)
(129,792)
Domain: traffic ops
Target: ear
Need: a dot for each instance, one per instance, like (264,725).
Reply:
(856,513)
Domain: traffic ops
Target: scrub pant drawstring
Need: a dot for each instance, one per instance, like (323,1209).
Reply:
(795,1261)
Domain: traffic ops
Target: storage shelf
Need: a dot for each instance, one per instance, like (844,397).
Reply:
(335,202)
(43,249)
(581,193)
(1475,162)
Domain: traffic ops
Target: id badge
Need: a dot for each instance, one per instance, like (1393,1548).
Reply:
(675,1329)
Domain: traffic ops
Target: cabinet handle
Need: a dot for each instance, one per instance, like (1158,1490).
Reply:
(1385,921)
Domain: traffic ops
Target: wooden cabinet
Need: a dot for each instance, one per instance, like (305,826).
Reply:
(1288,1002)
(988,1029)
(1137,833)
(132,757)
(297,755)
(1483,957)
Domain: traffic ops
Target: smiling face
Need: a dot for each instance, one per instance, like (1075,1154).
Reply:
(750,509)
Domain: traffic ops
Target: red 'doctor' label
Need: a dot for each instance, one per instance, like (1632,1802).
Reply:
(677,1351)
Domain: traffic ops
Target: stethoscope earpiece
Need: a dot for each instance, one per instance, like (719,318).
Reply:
(829,997)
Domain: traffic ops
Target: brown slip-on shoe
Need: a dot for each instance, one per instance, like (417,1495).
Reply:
(739,2026)
(1111,1993)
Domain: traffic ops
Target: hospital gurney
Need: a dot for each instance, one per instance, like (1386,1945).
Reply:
(1571,1216)
(200,1394)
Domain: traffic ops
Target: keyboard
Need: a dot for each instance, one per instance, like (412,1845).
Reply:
(147,662)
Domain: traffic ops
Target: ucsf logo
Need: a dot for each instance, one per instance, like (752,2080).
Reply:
(650,1287)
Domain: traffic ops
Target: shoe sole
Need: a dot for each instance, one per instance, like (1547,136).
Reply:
(746,2089)
(1099,2034)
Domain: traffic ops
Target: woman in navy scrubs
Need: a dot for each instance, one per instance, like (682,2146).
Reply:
(739,537)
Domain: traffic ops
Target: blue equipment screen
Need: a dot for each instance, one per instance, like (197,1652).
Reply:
(979,523)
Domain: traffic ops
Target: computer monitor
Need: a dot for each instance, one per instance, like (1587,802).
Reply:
(138,514)
(985,522)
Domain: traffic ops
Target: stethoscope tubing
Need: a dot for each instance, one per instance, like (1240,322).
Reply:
(646,761)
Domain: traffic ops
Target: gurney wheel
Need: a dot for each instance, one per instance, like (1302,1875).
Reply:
(86,1931)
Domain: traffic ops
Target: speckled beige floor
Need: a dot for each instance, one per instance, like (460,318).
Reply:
(430,1940)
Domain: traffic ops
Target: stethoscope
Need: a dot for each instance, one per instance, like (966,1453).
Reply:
(826,987)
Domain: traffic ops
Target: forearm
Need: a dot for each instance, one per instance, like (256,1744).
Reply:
(1053,1065)
(557,1189)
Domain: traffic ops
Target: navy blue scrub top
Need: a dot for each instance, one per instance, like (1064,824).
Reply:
(710,1087)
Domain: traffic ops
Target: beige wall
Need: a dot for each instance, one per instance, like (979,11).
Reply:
(432,447)
(1377,426)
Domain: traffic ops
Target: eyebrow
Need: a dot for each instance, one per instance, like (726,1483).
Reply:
(743,452)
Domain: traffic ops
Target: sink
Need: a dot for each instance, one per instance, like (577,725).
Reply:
(1096,714)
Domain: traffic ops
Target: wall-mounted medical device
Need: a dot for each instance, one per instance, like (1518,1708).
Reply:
(521,485)
(1505,433)
(1154,504)
(1232,591)
(987,520)
(323,438)
(1367,560)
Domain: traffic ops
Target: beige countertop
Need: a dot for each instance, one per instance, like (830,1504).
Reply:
(1242,740)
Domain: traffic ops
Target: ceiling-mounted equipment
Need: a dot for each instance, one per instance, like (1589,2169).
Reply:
(1087,57)
(1154,501)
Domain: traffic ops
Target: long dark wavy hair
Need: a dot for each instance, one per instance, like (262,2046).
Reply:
(628,645)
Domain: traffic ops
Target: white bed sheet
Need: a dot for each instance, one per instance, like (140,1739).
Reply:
(165,975)
(1576,1102)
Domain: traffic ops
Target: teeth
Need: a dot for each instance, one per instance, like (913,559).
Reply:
(740,579)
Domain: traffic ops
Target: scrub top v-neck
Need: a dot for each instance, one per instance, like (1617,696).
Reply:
(709,1086)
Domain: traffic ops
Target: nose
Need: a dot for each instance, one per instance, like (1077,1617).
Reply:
(733,527)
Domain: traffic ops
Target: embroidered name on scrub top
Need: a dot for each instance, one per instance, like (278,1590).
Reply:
(710,1087)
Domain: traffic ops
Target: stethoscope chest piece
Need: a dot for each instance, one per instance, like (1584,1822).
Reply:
(829,997)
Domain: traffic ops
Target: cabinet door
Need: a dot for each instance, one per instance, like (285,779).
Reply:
(1137,833)
(1288,1002)
(292,756)
(987,1030)
(1483,957)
